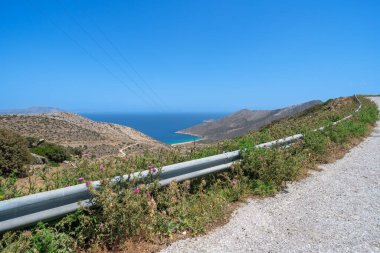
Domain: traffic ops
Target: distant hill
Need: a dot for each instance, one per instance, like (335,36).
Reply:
(243,121)
(32,110)
(70,129)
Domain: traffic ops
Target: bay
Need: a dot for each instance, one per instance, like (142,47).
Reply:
(160,126)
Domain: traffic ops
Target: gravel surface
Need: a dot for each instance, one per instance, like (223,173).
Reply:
(335,210)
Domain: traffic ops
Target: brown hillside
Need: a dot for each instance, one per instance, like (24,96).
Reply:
(70,129)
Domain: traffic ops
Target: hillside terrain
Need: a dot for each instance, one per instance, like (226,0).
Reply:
(72,130)
(243,121)
(125,219)
(312,215)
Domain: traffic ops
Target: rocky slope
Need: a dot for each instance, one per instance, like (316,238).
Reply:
(73,130)
(243,121)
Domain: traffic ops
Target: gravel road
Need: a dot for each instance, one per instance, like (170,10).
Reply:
(335,210)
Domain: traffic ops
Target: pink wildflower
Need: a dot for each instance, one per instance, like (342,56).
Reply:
(81,178)
(88,183)
(136,190)
(153,170)
(150,166)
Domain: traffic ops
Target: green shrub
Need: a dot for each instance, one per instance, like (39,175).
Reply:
(14,153)
(113,217)
(369,115)
(190,207)
(47,239)
(271,166)
(54,152)
(42,239)
(124,212)
(15,242)
(316,141)
(78,151)
(262,188)
(8,188)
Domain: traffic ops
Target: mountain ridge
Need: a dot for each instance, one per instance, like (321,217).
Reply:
(243,121)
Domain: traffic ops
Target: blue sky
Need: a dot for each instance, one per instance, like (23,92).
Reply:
(185,56)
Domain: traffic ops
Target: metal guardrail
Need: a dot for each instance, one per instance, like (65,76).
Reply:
(28,210)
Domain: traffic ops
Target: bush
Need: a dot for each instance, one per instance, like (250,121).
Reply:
(14,153)
(113,217)
(316,141)
(49,240)
(143,211)
(271,166)
(8,188)
(78,151)
(42,239)
(53,152)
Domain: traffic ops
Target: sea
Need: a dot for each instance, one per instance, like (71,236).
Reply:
(160,126)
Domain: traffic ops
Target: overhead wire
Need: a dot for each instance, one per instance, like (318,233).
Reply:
(88,53)
(122,56)
(153,97)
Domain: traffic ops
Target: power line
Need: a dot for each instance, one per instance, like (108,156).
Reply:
(124,58)
(105,51)
(76,42)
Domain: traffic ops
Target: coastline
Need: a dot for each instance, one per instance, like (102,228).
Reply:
(169,128)
(187,142)
(187,133)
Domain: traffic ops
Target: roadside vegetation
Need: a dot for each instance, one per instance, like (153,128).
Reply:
(54,152)
(14,154)
(129,214)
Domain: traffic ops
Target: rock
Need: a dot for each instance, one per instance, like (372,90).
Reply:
(37,159)
(37,143)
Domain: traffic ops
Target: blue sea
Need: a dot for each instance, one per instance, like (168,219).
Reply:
(160,126)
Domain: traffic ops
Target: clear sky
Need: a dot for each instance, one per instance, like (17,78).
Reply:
(185,56)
